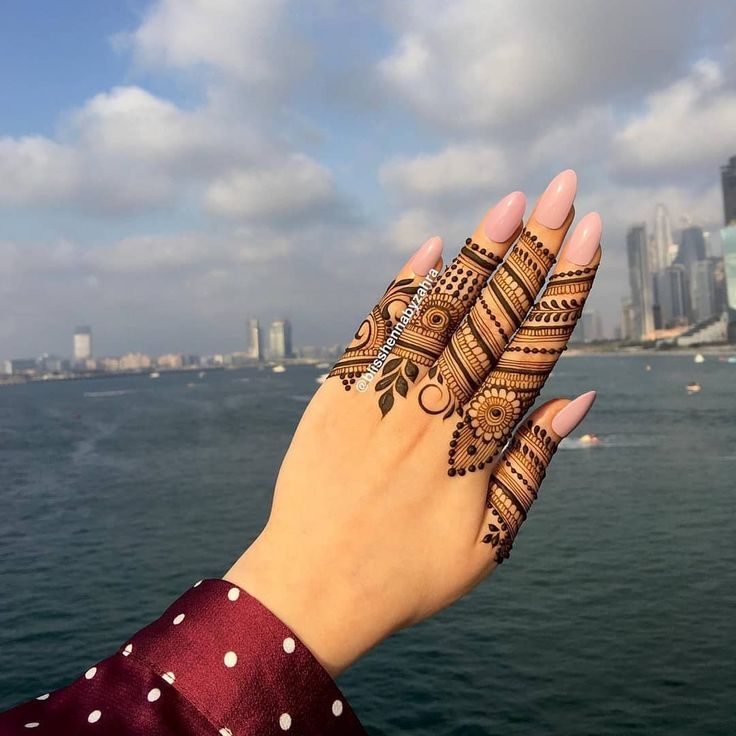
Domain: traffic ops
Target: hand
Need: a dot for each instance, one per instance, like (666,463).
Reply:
(392,501)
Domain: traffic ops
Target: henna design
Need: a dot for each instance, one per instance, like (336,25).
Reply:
(478,343)
(521,372)
(514,484)
(372,332)
(437,318)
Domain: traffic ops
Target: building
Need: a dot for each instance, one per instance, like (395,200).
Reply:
(640,282)
(82,344)
(19,366)
(728,239)
(673,296)
(134,362)
(170,361)
(702,290)
(627,328)
(589,328)
(662,239)
(255,340)
(728,183)
(280,339)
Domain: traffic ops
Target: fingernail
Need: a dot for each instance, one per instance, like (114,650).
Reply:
(505,217)
(572,414)
(427,255)
(554,205)
(584,241)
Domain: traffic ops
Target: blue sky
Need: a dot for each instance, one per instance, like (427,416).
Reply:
(170,167)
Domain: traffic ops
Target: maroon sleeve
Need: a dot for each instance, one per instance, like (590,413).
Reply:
(216,662)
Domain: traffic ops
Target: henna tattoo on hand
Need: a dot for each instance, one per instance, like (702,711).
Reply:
(475,347)
(437,318)
(514,484)
(521,372)
(373,331)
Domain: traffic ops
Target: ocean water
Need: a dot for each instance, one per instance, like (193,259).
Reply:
(616,613)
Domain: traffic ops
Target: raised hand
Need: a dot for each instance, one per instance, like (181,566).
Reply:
(401,490)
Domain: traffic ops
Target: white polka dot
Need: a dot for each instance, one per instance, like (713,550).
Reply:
(32,724)
(179,619)
(43,697)
(285,721)
(94,716)
(233,594)
(169,677)
(153,695)
(90,673)
(197,584)
(231,659)
(128,649)
(225,732)
(337,708)
(289,645)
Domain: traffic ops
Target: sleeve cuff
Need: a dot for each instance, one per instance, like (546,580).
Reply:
(240,666)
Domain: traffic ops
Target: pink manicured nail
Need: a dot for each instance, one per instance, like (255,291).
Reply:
(584,240)
(427,255)
(572,414)
(555,203)
(505,217)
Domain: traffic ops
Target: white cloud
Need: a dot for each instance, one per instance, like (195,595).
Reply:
(688,124)
(288,187)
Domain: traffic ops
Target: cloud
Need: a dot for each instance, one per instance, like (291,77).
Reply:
(687,125)
(287,188)
(477,66)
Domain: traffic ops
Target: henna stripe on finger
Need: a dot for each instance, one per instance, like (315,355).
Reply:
(520,374)
(516,479)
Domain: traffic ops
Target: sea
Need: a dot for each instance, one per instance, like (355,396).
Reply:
(616,613)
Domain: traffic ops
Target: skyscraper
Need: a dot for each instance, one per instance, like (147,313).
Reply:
(728,238)
(662,239)
(82,344)
(255,341)
(280,339)
(673,295)
(728,182)
(702,291)
(640,281)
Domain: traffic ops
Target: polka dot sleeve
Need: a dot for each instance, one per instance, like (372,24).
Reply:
(216,662)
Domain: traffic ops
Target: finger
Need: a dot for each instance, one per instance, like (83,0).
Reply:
(512,386)
(514,483)
(444,308)
(478,343)
(376,328)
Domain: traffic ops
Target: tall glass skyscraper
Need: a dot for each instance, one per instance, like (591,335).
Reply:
(640,281)
(728,238)
(728,182)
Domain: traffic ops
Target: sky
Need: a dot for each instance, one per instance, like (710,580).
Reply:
(169,168)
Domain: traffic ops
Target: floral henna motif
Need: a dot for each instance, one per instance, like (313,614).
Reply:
(373,331)
(477,344)
(520,374)
(514,484)
(437,318)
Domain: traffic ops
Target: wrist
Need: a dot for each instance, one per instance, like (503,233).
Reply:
(320,607)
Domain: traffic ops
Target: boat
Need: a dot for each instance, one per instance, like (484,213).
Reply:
(732,359)
(322,366)
(648,368)
(321,378)
(692,388)
(589,439)
(201,374)
(278,369)
(699,358)
(155,374)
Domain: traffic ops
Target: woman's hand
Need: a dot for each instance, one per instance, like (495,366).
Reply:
(401,492)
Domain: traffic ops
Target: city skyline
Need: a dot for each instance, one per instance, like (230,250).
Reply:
(164,170)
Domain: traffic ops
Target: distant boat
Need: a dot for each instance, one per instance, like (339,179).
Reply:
(589,439)
(321,378)
(692,388)
(648,367)
(278,369)
(155,374)
(699,358)
(732,359)
(322,366)
(201,374)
